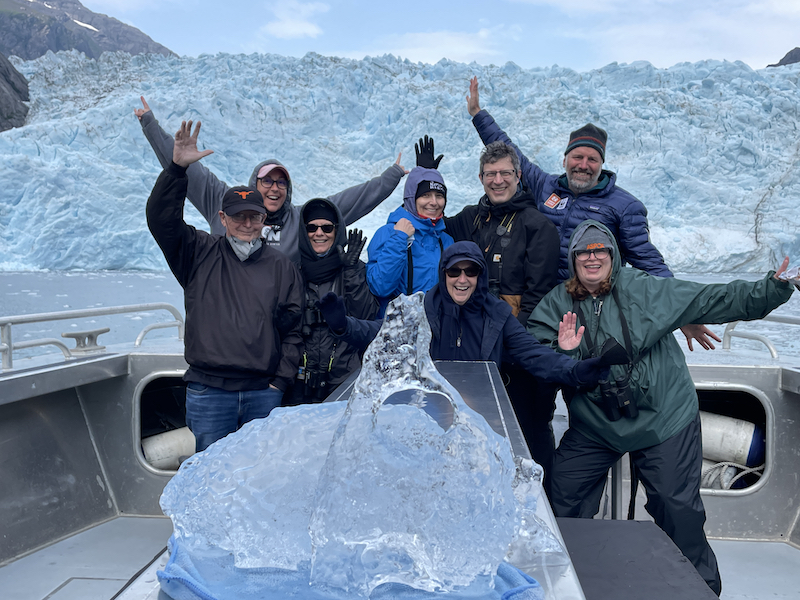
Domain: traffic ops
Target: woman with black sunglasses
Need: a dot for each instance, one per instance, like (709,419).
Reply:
(326,266)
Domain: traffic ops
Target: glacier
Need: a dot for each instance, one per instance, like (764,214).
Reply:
(711,148)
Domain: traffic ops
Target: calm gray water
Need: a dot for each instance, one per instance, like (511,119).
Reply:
(23,293)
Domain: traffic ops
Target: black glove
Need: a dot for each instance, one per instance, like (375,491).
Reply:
(355,244)
(332,308)
(425,154)
(284,319)
(591,370)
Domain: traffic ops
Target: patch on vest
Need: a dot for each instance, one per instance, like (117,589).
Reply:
(496,257)
(552,201)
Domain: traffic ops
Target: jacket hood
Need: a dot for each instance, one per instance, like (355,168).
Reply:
(273,161)
(304,243)
(577,233)
(465,251)
(424,226)
(415,177)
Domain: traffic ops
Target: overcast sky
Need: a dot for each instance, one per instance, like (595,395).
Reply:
(579,34)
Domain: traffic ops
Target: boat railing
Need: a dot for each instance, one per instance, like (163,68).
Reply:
(86,341)
(730,333)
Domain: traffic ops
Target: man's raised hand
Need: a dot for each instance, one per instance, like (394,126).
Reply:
(397,162)
(473,101)
(185,151)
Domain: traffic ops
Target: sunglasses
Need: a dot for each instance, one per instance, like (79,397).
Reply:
(455,272)
(328,228)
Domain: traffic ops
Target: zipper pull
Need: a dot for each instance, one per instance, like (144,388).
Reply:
(598,306)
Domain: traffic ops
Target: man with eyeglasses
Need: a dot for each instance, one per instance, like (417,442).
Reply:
(272,180)
(586,191)
(242,348)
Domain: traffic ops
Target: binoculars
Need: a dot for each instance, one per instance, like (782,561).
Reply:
(618,400)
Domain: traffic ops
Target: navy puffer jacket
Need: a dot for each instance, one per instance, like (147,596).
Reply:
(621,212)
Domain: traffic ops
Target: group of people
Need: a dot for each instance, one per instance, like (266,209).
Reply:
(279,305)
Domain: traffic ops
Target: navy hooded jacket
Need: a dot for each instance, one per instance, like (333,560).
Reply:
(499,331)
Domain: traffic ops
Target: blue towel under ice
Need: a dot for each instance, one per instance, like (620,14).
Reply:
(189,578)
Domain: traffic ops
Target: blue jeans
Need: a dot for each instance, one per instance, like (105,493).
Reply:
(213,413)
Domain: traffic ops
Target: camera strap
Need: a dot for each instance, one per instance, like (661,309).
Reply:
(626,334)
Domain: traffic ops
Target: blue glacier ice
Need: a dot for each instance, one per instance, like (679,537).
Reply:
(711,148)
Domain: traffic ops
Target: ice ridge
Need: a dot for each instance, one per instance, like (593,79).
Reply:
(711,148)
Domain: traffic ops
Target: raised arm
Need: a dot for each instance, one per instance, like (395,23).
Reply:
(205,190)
(176,239)
(490,131)
(360,200)
(633,234)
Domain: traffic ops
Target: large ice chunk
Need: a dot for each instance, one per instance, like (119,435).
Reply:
(405,485)
(252,493)
(421,497)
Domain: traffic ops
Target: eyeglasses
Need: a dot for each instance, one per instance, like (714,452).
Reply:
(268,181)
(455,272)
(599,254)
(327,228)
(240,218)
(506,175)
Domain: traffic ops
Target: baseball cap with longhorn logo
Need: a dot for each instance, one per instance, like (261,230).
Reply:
(241,198)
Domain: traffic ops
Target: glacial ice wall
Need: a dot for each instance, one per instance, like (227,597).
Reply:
(711,148)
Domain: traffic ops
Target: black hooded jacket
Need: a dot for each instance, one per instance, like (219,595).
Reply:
(326,360)
(522,258)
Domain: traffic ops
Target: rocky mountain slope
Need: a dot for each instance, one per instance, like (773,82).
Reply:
(29,28)
(13,94)
(793,56)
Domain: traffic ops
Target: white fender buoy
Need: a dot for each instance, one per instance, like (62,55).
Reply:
(164,450)
(726,439)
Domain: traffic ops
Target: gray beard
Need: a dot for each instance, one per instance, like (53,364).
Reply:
(580,186)
(243,250)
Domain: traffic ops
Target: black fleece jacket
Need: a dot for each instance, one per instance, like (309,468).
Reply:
(231,339)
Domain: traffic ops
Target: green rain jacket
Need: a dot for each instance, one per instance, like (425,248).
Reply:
(653,308)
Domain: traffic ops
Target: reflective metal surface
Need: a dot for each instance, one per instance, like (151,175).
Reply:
(770,509)
(52,481)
